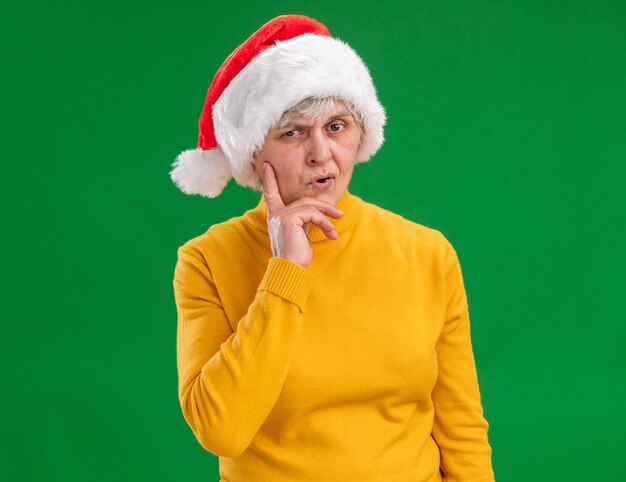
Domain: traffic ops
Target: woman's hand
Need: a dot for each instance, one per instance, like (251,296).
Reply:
(288,226)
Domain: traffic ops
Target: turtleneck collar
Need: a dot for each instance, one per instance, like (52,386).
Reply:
(349,203)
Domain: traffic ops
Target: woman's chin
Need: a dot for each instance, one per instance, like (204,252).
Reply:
(327,191)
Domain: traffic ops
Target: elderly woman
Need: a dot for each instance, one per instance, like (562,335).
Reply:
(320,337)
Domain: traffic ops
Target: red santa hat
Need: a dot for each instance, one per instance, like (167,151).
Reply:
(288,59)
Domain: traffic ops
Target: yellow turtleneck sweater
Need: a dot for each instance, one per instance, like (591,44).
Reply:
(359,368)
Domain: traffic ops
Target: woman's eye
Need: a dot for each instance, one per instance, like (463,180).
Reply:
(336,127)
(289,134)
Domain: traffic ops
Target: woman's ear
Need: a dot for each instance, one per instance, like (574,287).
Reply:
(255,164)
(258,184)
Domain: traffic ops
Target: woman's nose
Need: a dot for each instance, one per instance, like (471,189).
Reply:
(319,152)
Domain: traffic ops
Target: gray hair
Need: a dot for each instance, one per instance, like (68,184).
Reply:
(315,107)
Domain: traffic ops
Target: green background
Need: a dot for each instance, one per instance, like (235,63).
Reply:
(506,131)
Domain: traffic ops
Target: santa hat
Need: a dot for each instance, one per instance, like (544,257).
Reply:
(288,59)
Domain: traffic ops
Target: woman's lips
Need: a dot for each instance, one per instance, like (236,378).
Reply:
(323,184)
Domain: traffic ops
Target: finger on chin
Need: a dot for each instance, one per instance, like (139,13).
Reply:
(270,189)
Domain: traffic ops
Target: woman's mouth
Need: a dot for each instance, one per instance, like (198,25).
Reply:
(323,183)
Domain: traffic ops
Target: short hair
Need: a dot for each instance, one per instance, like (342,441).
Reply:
(315,107)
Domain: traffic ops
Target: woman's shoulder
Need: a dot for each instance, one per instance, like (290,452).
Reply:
(399,227)
(220,236)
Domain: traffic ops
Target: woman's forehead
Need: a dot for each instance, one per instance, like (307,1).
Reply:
(334,110)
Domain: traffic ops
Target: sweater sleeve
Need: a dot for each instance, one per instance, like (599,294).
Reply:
(228,382)
(460,428)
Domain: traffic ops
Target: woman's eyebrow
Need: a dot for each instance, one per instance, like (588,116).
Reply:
(296,125)
(340,114)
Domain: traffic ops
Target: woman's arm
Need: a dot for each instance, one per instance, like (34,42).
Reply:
(229,382)
(460,428)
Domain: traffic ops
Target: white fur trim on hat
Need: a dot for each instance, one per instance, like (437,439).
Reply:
(204,172)
(278,78)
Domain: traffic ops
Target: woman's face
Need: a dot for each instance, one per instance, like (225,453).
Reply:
(312,156)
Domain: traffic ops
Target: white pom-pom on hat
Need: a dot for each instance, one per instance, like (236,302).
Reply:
(204,172)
